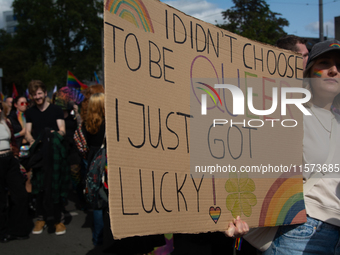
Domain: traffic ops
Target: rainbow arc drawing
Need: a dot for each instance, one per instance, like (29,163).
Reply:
(133,11)
(283,204)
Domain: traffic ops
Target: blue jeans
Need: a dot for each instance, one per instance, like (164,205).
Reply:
(312,237)
(98,225)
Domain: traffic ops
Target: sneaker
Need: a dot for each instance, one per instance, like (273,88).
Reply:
(60,229)
(39,227)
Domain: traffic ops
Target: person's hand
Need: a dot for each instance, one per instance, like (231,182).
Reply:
(237,228)
(32,141)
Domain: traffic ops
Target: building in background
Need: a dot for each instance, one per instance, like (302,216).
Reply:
(337,27)
(10,22)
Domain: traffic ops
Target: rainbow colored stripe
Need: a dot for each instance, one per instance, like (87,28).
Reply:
(133,11)
(238,243)
(21,118)
(284,203)
(105,174)
(317,72)
(73,82)
(334,45)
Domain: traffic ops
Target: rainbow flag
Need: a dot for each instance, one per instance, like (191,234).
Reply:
(96,76)
(2,97)
(14,92)
(73,82)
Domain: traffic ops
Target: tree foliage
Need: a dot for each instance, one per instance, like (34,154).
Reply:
(57,35)
(14,62)
(254,20)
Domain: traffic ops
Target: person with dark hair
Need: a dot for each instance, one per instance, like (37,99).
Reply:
(296,44)
(18,118)
(13,225)
(45,123)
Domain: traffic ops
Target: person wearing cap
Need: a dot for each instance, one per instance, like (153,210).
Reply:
(321,145)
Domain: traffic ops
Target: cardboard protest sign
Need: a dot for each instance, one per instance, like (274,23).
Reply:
(169,170)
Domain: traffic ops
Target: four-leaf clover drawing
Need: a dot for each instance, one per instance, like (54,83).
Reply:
(241,199)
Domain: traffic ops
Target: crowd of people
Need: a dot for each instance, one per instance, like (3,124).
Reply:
(38,175)
(43,179)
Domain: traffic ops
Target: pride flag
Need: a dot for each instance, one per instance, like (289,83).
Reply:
(96,76)
(14,92)
(73,82)
(2,97)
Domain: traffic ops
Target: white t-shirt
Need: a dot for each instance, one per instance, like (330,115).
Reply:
(4,137)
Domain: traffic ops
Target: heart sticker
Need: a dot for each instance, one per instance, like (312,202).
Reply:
(215,213)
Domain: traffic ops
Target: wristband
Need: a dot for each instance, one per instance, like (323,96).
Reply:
(16,135)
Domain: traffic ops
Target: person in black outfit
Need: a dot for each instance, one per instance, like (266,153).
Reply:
(13,224)
(18,119)
(72,121)
(39,118)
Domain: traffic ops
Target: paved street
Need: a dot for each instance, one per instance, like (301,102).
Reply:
(77,239)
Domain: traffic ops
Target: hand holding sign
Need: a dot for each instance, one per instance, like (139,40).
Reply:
(237,228)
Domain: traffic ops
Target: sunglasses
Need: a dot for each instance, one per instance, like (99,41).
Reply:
(24,103)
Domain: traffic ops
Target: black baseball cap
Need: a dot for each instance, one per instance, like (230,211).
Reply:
(321,48)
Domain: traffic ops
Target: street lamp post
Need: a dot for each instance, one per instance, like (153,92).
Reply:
(321,20)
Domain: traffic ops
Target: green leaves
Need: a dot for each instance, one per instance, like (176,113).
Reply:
(241,198)
(253,19)
(52,36)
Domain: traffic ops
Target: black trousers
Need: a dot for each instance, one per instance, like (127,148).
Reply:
(52,214)
(13,220)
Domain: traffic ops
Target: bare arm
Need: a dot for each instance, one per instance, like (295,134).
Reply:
(77,115)
(22,132)
(28,135)
(61,126)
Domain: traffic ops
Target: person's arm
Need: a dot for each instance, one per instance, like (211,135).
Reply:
(76,114)
(237,228)
(61,127)
(14,146)
(28,135)
(21,133)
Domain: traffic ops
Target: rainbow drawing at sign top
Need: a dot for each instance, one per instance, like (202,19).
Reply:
(133,11)
(283,203)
